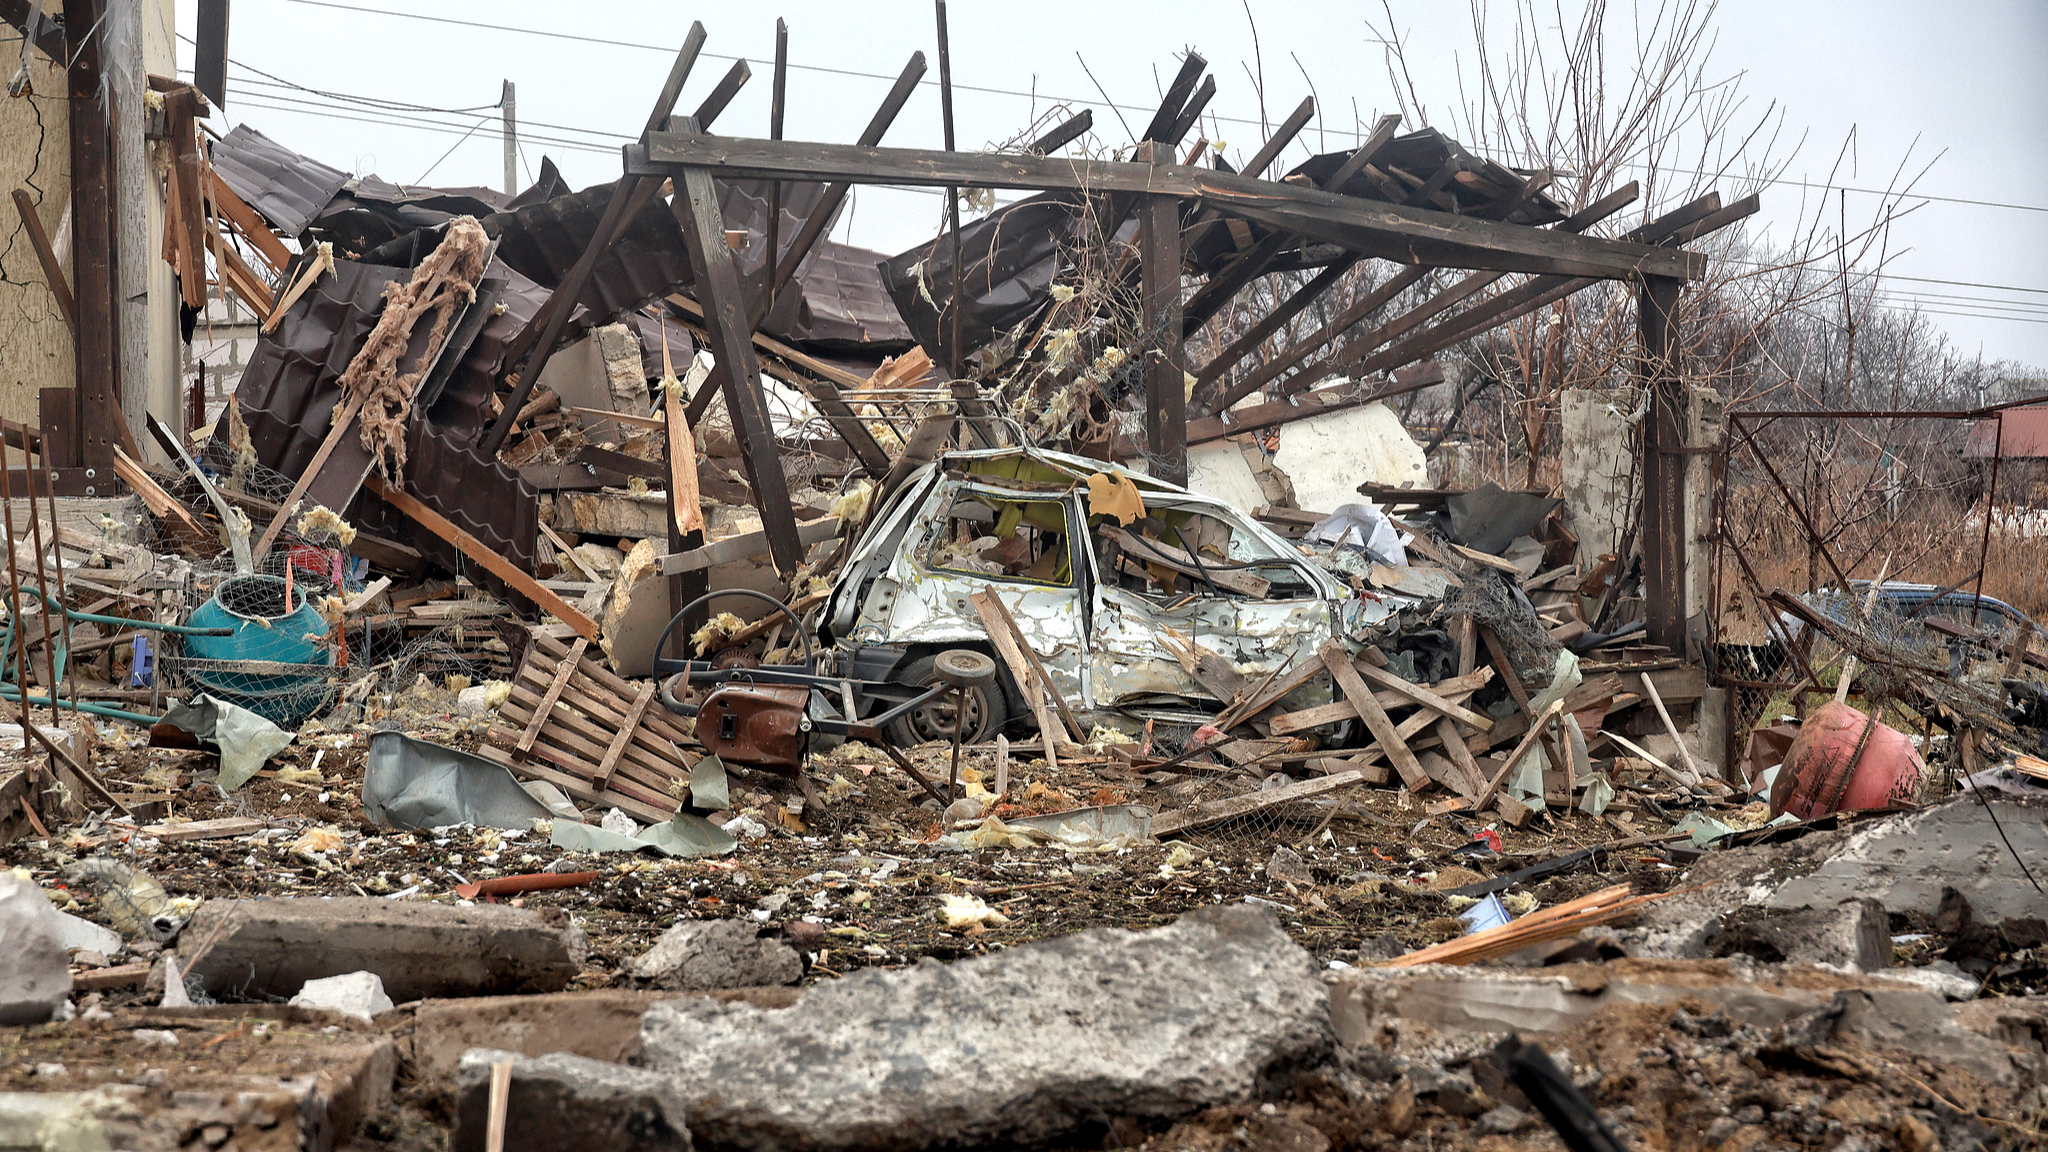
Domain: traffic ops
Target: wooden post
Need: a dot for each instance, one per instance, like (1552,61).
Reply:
(628,197)
(718,290)
(97,338)
(1166,426)
(1663,466)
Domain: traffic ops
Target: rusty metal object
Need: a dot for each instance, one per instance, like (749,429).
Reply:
(529,882)
(1844,759)
(758,725)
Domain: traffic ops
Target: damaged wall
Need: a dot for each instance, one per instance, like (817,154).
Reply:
(35,154)
(1595,468)
(1329,456)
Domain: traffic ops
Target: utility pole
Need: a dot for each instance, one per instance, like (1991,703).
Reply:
(508,101)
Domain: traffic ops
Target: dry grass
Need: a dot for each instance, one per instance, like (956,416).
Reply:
(1929,540)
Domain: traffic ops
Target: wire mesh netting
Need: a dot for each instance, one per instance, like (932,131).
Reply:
(1228,781)
(1901,658)
(294,654)
(1496,602)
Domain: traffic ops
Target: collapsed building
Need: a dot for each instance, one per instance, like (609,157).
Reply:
(598,621)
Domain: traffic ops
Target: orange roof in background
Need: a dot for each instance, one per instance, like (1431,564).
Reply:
(2025,435)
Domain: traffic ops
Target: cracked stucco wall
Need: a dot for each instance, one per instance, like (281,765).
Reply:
(35,155)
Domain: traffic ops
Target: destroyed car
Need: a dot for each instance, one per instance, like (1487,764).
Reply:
(1141,598)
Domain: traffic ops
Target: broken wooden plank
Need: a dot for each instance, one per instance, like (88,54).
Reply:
(610,763)
(1447,775)
(686,505)
(473,548)
(371,591)
(1454,747)
(159,502)
(1426,698)
(205,829)
(1025,670)
(1209,669)
(1338,661)
(1684,754)
(1487,793)
(53,269)
(744,547)
(546,708)
(247,222)
(1030,655)
(1217,811)
(1487,560)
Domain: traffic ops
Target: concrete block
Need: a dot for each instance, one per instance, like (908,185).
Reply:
(255,948)
(704,954)
(1906,861)
(1853,933)
(1430,1010)
(309,1092)
(601,1025)
(36,979)
(569,1102)
(1022,1047)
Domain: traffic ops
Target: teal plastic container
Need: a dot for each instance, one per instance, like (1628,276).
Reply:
(267,629)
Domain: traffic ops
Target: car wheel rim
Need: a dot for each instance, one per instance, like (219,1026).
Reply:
(935,720)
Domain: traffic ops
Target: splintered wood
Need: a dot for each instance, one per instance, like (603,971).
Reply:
(600,738)
(1603,907)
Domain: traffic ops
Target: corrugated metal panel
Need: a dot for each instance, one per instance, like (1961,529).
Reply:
(485,498)
(2025,435)
(288,394)
(288,391)
(463,403)
(844,302)
(287,188)
(542,242)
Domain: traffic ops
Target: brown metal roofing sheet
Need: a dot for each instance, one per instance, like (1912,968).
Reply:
(288,393)
(287,188)
(2025,435)
(542,241)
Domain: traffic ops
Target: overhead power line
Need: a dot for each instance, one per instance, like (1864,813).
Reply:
(1088,102)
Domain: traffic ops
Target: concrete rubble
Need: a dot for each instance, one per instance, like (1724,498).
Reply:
(36,981)
(696,955)
(618,668)
(563,1101)
(1151,1027)
(274,947)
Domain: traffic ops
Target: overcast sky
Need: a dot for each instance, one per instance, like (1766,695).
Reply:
(1963,86)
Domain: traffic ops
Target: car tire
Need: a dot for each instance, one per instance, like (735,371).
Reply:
(987,710)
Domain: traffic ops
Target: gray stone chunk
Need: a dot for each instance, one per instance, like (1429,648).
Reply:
(1906,861)
(1021,1047)
(561,1102)
(254,948)
(702,955)
(36,976)
(1854,933)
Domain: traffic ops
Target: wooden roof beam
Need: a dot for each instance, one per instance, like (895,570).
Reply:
(1392,231)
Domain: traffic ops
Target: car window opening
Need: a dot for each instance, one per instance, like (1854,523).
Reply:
(1022,540)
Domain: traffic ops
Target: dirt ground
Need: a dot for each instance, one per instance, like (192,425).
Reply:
(870,872)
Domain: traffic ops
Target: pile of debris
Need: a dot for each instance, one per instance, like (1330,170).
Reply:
(601,621)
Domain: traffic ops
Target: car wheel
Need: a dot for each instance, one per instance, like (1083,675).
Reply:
(935,719)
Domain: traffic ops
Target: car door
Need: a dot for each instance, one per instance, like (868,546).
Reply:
(1145,610)
(1019,545)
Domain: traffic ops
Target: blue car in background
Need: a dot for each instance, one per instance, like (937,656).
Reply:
(1911,605)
